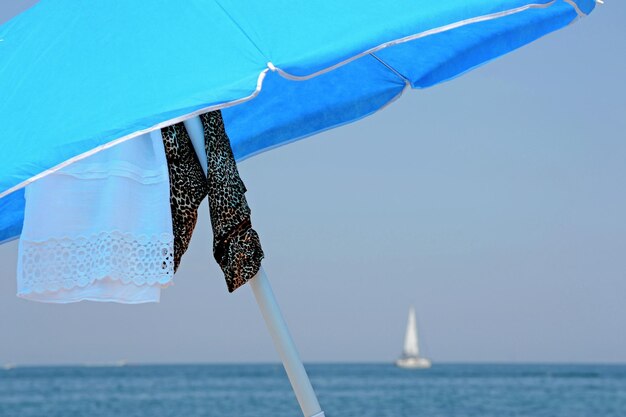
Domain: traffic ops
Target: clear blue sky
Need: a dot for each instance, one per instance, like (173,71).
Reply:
(494,203)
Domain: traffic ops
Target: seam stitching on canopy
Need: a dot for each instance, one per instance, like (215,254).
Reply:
(238,26)
(286,75)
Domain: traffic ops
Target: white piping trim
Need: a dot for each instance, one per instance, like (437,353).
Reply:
(166,123)
(575,6)
(407,86)
(271,67)
(429,32)
(9,239)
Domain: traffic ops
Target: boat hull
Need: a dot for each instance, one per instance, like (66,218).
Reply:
(413,363)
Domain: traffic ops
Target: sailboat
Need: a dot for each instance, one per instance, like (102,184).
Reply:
(410,356)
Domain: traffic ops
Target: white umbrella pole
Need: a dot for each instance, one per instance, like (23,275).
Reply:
(269,307)
(285,345)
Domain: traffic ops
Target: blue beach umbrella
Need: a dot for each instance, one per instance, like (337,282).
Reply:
(77,78)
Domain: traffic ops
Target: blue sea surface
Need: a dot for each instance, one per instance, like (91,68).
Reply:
(347,390)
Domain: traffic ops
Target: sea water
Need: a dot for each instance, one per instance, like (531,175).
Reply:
(350,390)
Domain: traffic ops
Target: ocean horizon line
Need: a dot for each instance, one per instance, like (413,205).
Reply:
(124,363)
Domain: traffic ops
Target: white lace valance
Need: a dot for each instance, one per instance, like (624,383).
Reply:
(100,229)
(67,263)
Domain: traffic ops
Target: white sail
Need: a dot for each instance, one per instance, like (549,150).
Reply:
(410,358)
(411,347)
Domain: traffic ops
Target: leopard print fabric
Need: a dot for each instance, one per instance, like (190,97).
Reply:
(236,246)
(187,186)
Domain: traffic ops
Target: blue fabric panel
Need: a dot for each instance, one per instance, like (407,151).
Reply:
(440,57)
(12,209)
(289,110)
(71,81)
(586,6)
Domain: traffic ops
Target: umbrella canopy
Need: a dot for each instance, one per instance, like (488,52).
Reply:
(75,79)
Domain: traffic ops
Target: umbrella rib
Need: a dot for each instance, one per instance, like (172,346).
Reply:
(390,68)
